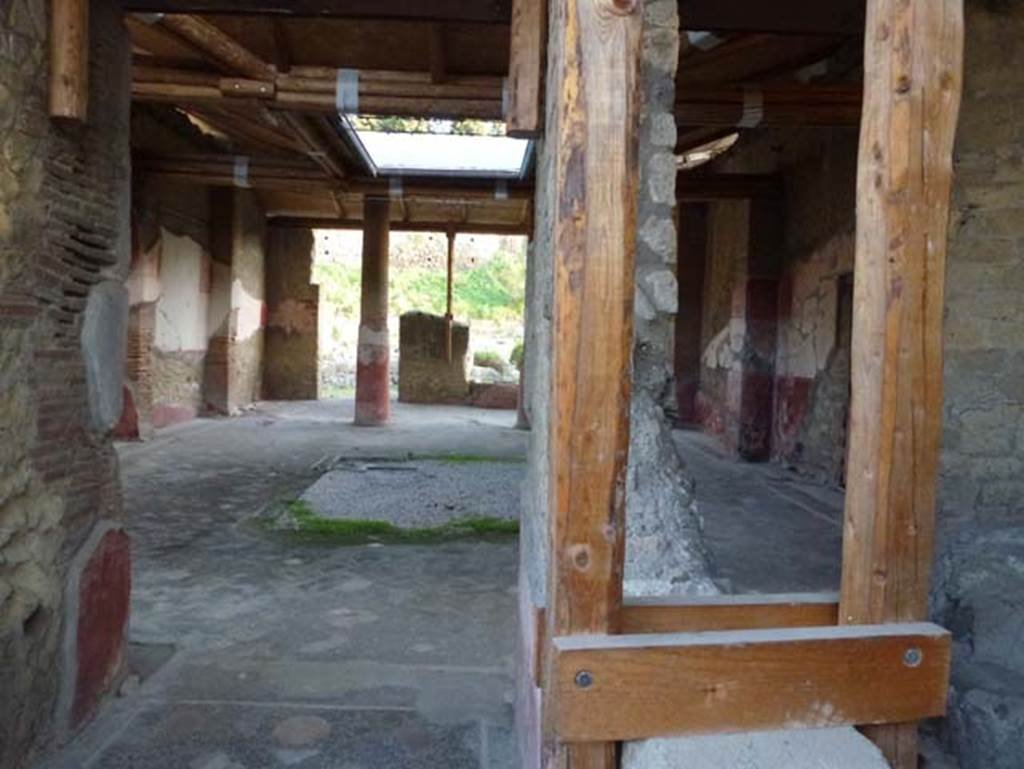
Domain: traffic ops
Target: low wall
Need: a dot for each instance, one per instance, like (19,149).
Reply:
(425,374)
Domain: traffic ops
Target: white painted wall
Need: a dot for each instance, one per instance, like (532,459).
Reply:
(181,309)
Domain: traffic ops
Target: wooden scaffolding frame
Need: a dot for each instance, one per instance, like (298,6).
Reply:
(612,670)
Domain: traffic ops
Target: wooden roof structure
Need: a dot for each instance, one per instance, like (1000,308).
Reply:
(269,79)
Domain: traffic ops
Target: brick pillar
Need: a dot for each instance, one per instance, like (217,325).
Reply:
(693,248)
(372,375)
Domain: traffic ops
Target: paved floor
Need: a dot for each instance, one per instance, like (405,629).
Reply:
(258,650)
(768,529)
(292,653)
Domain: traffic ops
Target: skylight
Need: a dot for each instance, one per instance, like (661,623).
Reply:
(441,153)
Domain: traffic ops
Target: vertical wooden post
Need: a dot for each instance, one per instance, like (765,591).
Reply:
(69,59)
(373,381)
(913,77)
(526,67)
(449,317)
(597,95)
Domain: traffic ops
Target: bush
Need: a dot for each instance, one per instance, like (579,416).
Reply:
(489,359)
(517,355)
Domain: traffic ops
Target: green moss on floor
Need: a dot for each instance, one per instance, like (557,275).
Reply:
(302,521)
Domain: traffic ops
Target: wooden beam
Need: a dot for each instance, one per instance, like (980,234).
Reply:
(456,11)
(805,17)
(380,93)
(218,46)
(638,687)
(411,225)
(289,173)
(752,106)
(315,145)
(69,59)
(438,54)
(525,113)
(697,187)
(913,76)
(596,91)
(728,612)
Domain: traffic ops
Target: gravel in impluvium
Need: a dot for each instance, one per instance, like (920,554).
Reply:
(418,494)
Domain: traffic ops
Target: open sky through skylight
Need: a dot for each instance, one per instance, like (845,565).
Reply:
(438,153)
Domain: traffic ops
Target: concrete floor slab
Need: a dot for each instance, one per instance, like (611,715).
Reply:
(419,494)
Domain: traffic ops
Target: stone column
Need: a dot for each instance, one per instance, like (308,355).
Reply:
(372,375)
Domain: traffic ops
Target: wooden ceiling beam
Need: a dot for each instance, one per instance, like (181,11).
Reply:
(380,93)
(459,11)
(412,225)
(787,105)
(793,17)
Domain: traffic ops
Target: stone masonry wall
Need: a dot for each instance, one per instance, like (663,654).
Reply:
(425,375)
(64,252)
(293,304)
(979,590)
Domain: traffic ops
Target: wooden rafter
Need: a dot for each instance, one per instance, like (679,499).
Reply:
(845,17)
(480,11)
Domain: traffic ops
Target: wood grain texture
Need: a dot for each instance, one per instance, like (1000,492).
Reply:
(596,93)
(526,68)
(217,46)
(913,82)
(69,59)
(706,683)
(659,615)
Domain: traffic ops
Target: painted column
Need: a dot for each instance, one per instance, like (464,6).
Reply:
(372,375)
(693,241)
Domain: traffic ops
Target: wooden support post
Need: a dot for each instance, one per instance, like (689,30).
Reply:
(69,59)
(913,77)
(526,69)
(449,317)
(596,92)
(373,386)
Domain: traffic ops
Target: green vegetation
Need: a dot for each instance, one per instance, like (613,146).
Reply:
(305,523)
(517,356)
(487,289)
(417,125)
(489,359)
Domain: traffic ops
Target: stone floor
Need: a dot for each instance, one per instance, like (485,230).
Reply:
(768,529)
(258,650)
(290,653)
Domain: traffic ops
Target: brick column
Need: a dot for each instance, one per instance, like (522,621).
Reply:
(372,376)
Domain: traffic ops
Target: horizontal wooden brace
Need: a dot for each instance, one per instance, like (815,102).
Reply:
(673,614)
(632,687)
(728,612)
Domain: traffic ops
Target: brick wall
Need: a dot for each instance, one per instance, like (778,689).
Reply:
(64,206)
